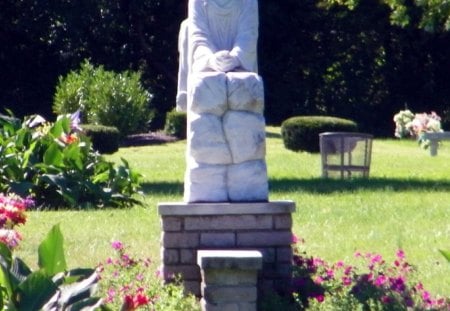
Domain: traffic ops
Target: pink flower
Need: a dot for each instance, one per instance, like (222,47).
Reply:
(111,294)
(340,264)
(380,280)
(400,254)
(376,259)
(318,280)
(348,270)
(319,298)
(426,296)
(159,273)
(346,281)
(117,245)
(294,239)
(330,273)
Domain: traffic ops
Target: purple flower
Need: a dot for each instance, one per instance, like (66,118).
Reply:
(75,121)
(398,284)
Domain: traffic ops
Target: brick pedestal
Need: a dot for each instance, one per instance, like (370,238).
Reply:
(229,279)
(265,227)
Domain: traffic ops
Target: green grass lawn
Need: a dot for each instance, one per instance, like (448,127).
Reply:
(404,204)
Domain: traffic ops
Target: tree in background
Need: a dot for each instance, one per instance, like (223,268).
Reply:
(362,60)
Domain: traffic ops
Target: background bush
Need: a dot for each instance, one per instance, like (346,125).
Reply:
(105,139)
(105,97)
(302,132)
(176,124)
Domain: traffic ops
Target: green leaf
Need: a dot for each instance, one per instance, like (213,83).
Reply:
(6,279)
(57,129)
(446,254)
(6,255)
(73,155)
(35,291)
(51,252)
(20,270)
(88,304)
(78,291)
(53,156)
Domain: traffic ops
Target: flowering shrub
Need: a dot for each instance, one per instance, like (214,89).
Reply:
(55,162)
(379,286)
(12,214)
(408,124)
(128,284)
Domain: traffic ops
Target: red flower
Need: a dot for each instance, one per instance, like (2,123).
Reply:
(132,302)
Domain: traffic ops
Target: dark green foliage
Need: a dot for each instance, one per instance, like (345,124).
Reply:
(104,97)
(176,124)
(105,139)
(302,132)
(52,286)
(315,58)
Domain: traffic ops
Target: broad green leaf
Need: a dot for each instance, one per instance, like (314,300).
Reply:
(57,129)
(446,254)
(51,252)
(35,291)
(6,279)
(53,156)
(20,270)
(6,255)
(78,290)
(73,155)
(28,153)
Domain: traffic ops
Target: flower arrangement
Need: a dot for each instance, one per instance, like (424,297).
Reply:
(376,285)
(408,124)
(127,284)
(12,214)
(403,120)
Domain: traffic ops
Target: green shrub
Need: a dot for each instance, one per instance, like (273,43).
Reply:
(104,97)
(105,139)
(302,132)
(176,124)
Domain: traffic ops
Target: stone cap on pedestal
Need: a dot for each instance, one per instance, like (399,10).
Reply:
(229,259)
(226,208)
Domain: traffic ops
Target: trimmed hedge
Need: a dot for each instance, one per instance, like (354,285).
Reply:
(301,133)
(105,139)
(176,123)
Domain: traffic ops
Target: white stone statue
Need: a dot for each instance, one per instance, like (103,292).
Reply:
(223,95)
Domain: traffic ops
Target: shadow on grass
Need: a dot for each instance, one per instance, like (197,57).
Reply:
(323,186)
(320,185)
(273,135)
(162,188)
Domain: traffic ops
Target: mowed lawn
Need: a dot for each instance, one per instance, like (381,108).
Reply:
(404,204)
